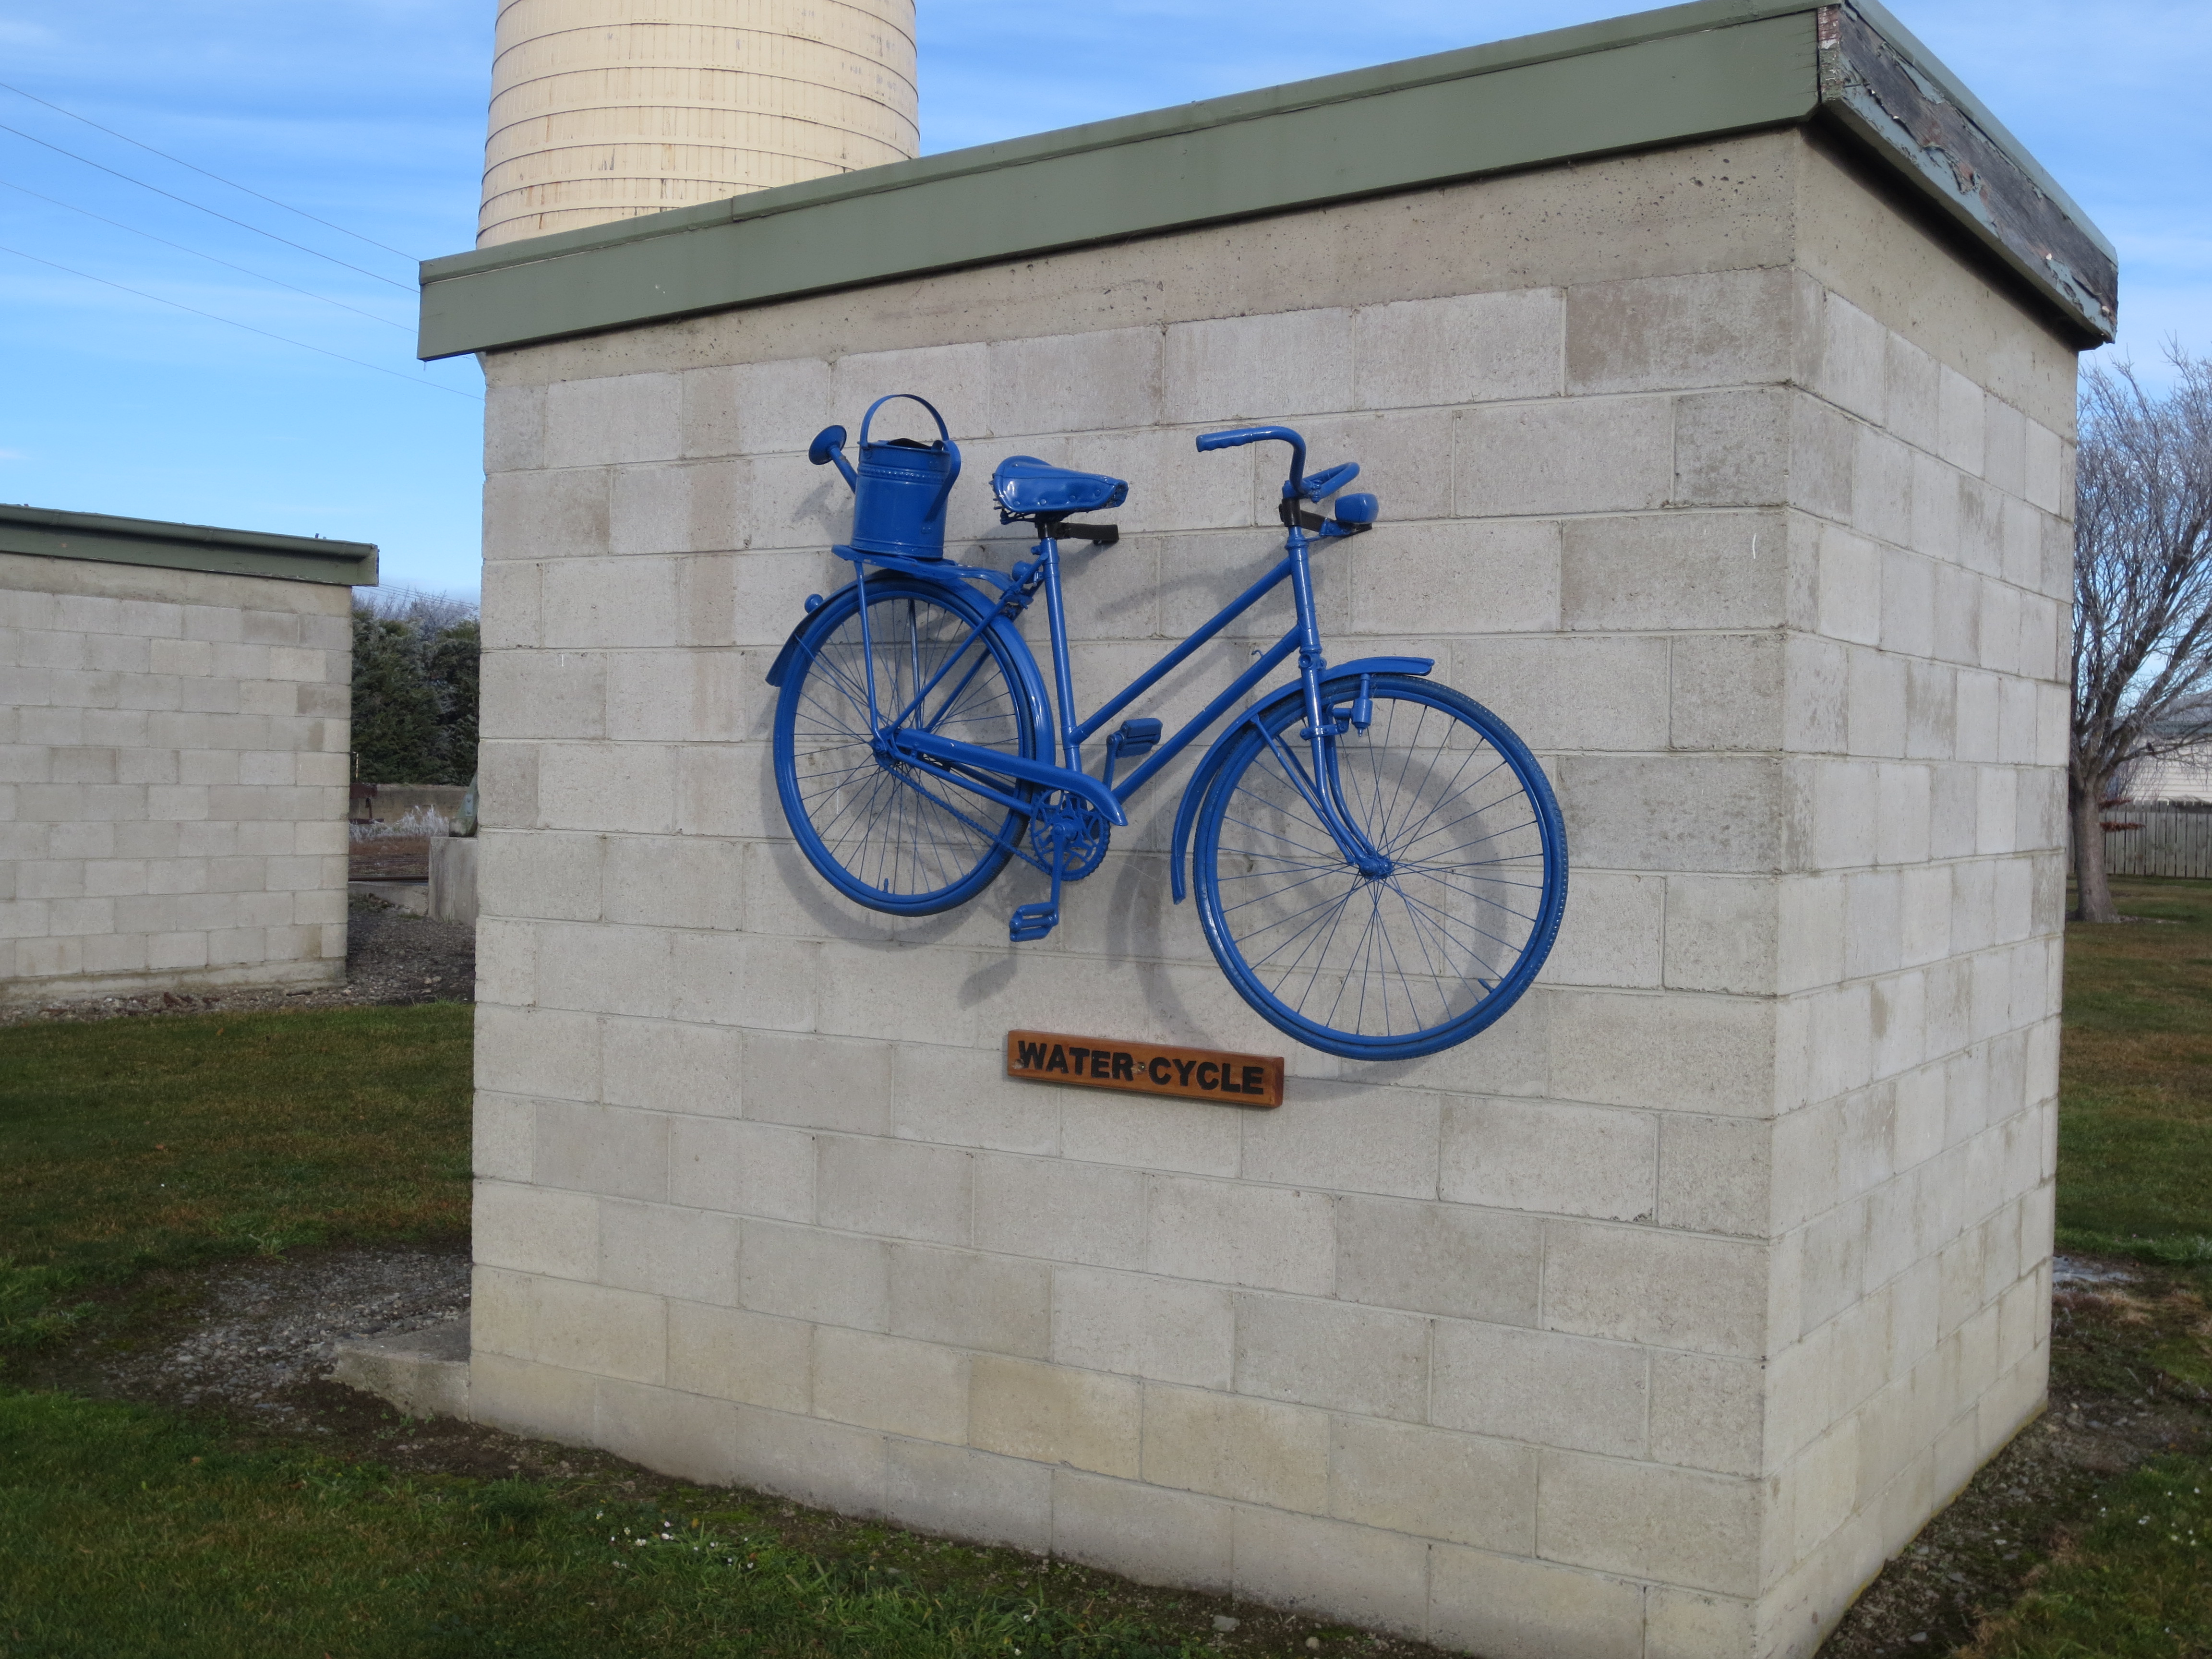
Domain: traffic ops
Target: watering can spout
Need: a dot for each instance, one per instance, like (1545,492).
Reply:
(900,487)
(829,445)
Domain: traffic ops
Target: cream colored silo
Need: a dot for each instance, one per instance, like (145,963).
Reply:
(605,109)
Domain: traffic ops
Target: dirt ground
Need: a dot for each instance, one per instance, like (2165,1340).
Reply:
(391,958)
(251,1342)
(245,1338)
(2107,1413)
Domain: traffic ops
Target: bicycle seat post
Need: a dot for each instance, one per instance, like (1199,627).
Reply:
(1063,673)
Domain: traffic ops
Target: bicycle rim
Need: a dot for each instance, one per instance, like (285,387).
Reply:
(885,833)
(1402,964)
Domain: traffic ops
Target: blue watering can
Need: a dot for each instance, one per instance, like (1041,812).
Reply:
(900,491)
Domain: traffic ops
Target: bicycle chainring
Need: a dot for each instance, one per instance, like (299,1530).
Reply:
(1075,834)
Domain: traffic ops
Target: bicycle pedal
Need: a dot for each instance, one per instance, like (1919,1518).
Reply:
(1032,921)
(1136,736)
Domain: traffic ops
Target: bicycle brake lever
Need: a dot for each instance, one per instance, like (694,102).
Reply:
(1320,486)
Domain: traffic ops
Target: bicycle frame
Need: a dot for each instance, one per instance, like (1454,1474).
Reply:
(957,764)
(912,780)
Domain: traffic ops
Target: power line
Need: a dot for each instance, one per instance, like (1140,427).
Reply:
(284,339)
(363,270)
(196,254)
(201,171)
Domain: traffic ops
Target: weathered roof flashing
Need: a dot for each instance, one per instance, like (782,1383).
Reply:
(46,532)
(1674,76)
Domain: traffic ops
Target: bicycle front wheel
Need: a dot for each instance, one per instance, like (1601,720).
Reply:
(886,834)
(1465,883)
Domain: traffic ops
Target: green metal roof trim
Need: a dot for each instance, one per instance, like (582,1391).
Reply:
(49,534)
(1674,76)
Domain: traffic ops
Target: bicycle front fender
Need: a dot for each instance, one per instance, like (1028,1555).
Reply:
(1217,751)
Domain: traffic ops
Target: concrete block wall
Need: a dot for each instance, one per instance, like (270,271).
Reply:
(173,753)
(1921,941)
(1643,1324)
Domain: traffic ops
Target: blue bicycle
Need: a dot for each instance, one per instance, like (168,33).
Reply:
(1379,862)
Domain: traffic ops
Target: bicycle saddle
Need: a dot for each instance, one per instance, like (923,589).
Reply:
(1027,486)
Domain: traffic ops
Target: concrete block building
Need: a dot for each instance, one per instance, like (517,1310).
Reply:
(1715,367)
(173,752)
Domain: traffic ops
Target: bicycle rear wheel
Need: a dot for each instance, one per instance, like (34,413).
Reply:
(884,833)
(1403,963)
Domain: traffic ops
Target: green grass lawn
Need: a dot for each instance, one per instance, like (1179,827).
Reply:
(2137,1585)
(124,1535)
(2134,1178)
(133,1144)
(130,1144)
(2134,1133)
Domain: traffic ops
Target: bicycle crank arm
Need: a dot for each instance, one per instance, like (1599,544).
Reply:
(1081,784)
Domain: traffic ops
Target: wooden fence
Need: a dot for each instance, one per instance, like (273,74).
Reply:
(2158,841)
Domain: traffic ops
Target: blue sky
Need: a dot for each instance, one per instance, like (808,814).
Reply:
(369,114)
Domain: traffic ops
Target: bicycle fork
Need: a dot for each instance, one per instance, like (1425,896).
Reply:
(1323,787)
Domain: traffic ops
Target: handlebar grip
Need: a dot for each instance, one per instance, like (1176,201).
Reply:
(1245,434)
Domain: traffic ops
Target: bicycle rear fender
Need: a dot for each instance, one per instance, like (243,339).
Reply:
(960,597)
(1217,751)
(781,665)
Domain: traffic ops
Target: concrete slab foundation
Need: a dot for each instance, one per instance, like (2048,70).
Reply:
(424,1373)
(453,878)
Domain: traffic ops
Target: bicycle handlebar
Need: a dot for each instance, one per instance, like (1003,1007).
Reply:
(1248,434)
(1253,434)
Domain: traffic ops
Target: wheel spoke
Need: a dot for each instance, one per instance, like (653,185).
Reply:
(1399,960)
(895,834)
(1443,924)
(1285,922)
(1334,906)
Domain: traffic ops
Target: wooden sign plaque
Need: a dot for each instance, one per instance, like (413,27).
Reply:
(1146,1068)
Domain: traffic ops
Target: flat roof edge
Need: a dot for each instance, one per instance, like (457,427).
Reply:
(1908,44)
(1687,72)
(1942,143)
(1462,62)
(49,532)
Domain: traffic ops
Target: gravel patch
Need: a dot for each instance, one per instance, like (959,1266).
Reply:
(392,959)
(264,1327)
(2071,1271)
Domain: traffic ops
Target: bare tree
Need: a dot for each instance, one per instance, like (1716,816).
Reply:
(2142,592)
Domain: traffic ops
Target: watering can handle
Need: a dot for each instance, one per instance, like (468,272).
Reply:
(944,432)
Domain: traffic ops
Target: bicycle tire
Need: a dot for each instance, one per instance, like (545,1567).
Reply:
(880,832)
(1448,939)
